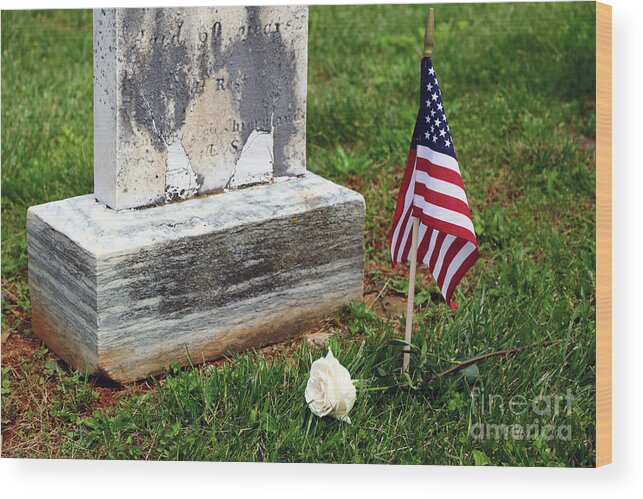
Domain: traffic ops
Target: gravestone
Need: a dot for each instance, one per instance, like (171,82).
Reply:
(205,234)
(193,101)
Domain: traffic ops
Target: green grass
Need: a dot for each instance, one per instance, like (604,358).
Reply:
(518,85)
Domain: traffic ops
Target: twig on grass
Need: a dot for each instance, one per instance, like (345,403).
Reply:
(378,295)
(499,353)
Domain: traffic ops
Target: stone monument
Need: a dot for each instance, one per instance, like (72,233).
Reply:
(205,233)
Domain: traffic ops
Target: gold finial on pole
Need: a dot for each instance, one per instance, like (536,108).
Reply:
(428,34)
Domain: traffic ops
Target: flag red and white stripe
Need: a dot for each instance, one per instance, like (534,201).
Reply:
(433,192)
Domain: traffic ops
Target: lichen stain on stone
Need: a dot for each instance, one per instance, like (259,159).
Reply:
(272,94)
(170,84)
(181,182)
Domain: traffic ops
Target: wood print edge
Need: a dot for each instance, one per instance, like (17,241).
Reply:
(603,234)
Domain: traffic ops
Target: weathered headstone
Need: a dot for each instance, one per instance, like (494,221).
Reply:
(193,101)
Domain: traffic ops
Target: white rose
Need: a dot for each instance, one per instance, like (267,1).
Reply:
(330,390)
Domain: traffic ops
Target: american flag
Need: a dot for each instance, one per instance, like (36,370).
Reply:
(432,191)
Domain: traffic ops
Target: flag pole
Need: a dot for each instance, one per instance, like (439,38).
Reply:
(428,52)
(411,295)
(429,34)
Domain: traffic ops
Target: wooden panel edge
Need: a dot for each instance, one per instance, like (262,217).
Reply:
(603,234)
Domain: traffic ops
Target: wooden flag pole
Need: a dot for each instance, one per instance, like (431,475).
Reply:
(428,52)
(429,33)
(411,295)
